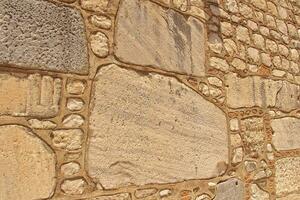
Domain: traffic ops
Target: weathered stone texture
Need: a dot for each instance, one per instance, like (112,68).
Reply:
(286,133)
(27,166)
(232,189)
(147,34)
(287,176)
(147,128)
(121,196)
(42,35)
(257,91)
(32,95)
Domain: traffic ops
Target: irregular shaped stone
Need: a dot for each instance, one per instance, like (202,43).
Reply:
(74,186)
(39,124)
(99,44)
(73,121)
(152,129)
(101,21)
(94,5)
(258,194)
(286,133)
(162,38)
(70,168)
(121,196)
(70,139)
(27,165)
(36,95)
(257,91)
(289,197)
(287,176)
(231,189)
(75,104)
(76,86)
(142,193)
(39,34)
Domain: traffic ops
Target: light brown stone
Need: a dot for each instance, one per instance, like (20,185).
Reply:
(75,104)
(69,139)
(286,133)
(120,196)
(41,124)
(101,21)
(151,130)
(32,95)
(287,176)
(99,44)
(94,5)
(257,91)
(27,166)
(258,194)
(161,38)
(231,189)
(73,186)
(70,168)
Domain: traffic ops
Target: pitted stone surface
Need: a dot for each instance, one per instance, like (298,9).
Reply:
(232,189)
(160,37)
(286,133)
(39,34)
(27,166)
(287,176)
(147,128)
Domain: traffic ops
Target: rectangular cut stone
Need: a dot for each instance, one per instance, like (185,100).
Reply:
(121,196)
(150,35)
(287,177)
(257,91)
(147,128)
(286,133)
(29,95)
(231,189)
(39,34)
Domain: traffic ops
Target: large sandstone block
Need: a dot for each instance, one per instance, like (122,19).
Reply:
(27,165)
(257,91)
(150,35)
(286,133)
(231,189)
(287,177)
(147,128)
(29,95)
(42,35)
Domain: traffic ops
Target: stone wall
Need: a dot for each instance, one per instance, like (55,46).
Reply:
(150,99)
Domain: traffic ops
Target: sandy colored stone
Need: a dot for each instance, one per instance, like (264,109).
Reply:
(75,104)
(162,38)
(257,91)
(39,34)
(99,44)
(69,139)
(74,186)
(101,21)
(41,124)
(27,166)
(120,196)
(94,5)
(286,133)
(231,189)
(32,95)
(142,193)
(258,194)
(76,86)
(287,176)
(290,197)
(70,168)
(151,129)
(73,121)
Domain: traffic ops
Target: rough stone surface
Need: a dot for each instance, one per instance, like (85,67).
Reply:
(70,168)
(27,166)
(38,124)
(258,194)
(75,186)
(170,138)
(36,95)
(39,34)
(287,176)
(286,133)
(99,44)
(256,91)
(232,189)
(70,139)
(121,196)
(143,26)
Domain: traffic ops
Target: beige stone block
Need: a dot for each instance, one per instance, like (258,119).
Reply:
(120,196)
(258,194)
(27,166)
(36,95)
(152,129)
(287,177)
(162,38)
(286,133)
(99,44)
(94,5)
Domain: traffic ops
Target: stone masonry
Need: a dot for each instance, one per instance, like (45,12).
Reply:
(150,99)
